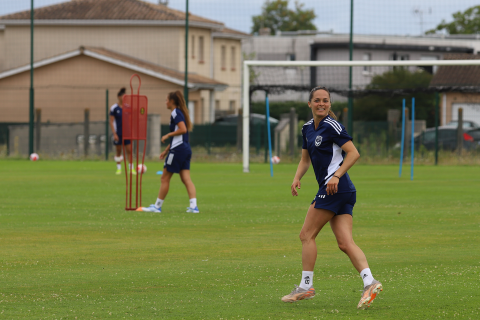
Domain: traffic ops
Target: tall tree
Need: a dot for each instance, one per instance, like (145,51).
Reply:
(467,22)
(278,17)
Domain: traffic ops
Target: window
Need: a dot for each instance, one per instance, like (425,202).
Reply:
(193,47)
(399,56)
(290,57)
(223,59)
(217,104)
(233,57)
(232,105)
(201,53)
(367,69)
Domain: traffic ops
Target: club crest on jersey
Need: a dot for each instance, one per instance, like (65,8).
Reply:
(318,141)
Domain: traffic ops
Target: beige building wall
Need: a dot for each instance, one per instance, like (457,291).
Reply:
(228,69)
(455,97)
(66,88)
(198,54)
(2,48)
(158,45)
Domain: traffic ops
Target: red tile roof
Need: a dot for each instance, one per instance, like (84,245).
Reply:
(235,32)
(457,75)
(192,77)
(107,10)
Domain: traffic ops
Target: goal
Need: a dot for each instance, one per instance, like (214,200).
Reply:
(278,77)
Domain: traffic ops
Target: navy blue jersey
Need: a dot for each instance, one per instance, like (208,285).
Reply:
(324,147)
(177,117)
(116,111)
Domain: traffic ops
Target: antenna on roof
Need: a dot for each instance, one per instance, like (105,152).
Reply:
(163,2)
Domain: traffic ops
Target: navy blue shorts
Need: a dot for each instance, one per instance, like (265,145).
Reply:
(338,203)
(178,160)
(119,142)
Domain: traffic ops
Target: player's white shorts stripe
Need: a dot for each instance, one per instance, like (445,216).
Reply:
(335,123)
(170,158)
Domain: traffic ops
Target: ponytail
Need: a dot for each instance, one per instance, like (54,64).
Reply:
(331,114)
(179,101)
(121,92)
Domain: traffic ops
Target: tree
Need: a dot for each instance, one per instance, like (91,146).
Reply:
(467,22)
(276,16)
(375,107)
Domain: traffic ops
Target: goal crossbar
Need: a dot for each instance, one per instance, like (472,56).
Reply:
(257,63)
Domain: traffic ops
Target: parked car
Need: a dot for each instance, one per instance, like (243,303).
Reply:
(469,125)
(255,118)
(447,138)
(475,134)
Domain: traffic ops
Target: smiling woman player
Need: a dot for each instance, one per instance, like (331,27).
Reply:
(177,154)
(325,143)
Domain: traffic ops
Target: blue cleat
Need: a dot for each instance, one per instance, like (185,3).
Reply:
(152,208)
(193,210)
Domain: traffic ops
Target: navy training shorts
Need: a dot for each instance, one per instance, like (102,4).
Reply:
(178,160)
(338,203)
(119,142)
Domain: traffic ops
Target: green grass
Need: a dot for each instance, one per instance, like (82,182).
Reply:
(69,250)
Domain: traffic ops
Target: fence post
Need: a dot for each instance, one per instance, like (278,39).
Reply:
(293,130)
(86,132)
(107,118)
(460,131)
(345,117)
(38,117)
(437,98)
(239,130)
(209,137)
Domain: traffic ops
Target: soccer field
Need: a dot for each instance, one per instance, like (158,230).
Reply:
(69,250)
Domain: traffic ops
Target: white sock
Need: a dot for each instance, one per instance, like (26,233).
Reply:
(307,280)
(367,277)
(119,166)
(159,203)
(193,203)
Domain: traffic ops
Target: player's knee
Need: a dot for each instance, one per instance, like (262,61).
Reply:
(304,236)
(345,246)
(165,179)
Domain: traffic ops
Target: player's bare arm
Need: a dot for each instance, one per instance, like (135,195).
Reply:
(112,120)
(301,170)
(182,129)
(165,152)
(350,159)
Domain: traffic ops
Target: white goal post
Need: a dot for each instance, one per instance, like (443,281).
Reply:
(385,63)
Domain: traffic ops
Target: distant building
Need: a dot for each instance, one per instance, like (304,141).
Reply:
(150,36)
(460,80)
(326,46)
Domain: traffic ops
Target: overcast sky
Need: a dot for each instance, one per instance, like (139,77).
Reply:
(370,16)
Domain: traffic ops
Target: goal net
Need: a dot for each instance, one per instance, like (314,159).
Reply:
(372,91)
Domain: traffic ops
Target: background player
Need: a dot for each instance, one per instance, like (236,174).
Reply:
(177,154)
(325,143)
(116,127)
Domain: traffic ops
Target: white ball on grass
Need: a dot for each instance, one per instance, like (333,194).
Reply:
(275,160)
(141,168)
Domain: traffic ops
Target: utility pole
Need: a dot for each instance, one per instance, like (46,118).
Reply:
(185,88)
(31,95)
(350,98)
